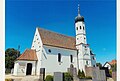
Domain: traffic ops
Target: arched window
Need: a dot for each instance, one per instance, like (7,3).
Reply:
(71,58)
(59,57)
(80,27)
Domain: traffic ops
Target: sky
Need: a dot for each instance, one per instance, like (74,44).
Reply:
(23,16)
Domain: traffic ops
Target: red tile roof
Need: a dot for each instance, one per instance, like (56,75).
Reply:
(28,54)
(113,62)
(58,40)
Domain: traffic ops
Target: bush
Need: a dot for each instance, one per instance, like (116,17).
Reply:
(110,71)
(67,77)
(9,79)
(81,74)
(88,77)
(7,71)
(49,78)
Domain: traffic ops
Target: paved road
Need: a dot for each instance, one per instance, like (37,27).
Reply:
(22,78)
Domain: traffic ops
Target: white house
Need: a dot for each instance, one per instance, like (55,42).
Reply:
(56,52)
(108,65)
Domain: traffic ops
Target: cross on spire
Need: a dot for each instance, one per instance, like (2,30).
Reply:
(78,10)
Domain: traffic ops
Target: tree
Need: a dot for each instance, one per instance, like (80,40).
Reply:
(10,56)
(99,65)
(114,67)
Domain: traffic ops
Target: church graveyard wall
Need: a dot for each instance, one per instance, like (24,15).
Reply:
(95,73)
(58,76)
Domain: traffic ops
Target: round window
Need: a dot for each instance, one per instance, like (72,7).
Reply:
(49,50)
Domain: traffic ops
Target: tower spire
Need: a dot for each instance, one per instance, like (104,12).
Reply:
(78,10)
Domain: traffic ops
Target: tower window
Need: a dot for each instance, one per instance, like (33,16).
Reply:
(83,27)
(59,57)
(80,27)
(77,28)
(87,62)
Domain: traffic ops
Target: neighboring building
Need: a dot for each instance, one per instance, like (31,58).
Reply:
(56,52)
(108,65)
(107,73)
(113,62)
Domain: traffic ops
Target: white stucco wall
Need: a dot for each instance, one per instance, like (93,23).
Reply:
(38,46)
(83,56)
(20,67)
(93,60)
(50,60)
(80,33)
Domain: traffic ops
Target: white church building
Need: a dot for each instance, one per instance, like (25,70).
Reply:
(56,52)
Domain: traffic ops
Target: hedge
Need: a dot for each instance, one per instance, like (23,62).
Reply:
(49,78)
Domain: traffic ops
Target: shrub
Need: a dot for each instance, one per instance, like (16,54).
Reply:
(67,77)
(7,71)
(9,79)
(110,71)
(88,77)
(81,74)
(49,78)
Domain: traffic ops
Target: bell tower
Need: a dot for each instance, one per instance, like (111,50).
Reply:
(80,29)
(84,57)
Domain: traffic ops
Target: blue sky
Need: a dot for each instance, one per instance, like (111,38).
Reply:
(23,16)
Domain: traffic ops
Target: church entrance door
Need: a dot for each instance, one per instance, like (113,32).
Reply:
(29,69)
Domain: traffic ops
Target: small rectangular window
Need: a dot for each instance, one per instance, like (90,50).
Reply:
(59,57)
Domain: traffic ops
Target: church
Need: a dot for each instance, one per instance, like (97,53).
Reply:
(56,52)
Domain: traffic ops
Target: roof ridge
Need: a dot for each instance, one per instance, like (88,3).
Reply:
(55,32)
